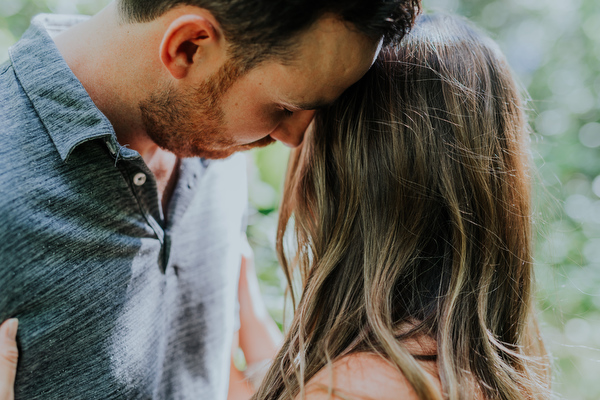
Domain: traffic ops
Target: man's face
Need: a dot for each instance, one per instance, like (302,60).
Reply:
(274,101)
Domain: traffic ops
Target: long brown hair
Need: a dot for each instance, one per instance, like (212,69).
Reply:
(409,202)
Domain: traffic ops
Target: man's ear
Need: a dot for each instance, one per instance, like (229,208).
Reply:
(187,40)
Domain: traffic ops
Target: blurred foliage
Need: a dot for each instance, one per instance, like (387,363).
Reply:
(554,48)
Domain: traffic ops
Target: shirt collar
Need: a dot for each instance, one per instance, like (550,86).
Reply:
(62,103)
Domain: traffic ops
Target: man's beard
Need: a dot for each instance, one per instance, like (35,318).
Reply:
(191,124)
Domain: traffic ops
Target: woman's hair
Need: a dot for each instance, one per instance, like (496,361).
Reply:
(410,204)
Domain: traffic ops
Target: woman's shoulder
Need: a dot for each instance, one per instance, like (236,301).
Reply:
(360,376)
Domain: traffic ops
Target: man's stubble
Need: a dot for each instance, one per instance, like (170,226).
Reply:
(191,124)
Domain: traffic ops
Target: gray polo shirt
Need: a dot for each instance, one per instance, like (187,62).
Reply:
(114,300)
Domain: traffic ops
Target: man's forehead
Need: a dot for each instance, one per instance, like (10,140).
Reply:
(314,98)
(313,88)
(329,59)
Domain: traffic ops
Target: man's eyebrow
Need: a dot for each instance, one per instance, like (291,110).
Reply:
(316,105)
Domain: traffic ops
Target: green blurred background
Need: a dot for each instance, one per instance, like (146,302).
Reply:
(554,48)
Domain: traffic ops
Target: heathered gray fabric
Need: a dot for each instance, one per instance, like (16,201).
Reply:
(114,302)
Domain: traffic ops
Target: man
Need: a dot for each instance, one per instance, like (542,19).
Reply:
(120,244)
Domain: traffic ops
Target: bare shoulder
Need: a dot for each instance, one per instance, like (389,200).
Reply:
(361,376)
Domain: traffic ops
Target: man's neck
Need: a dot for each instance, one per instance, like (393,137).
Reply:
(116,65)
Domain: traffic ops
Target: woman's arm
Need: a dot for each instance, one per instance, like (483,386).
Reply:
(259,336)
(9,355)
(239,387)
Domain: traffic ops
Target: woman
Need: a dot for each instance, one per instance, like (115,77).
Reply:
(409,205)
(8,357)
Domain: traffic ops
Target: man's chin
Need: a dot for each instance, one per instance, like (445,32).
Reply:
(219,154)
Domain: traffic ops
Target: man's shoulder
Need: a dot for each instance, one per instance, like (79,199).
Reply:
(224,184)
(9,94)
(232,169)
(12,95)
(4,67)
(20,124)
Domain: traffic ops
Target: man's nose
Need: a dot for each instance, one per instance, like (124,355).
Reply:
(291,130)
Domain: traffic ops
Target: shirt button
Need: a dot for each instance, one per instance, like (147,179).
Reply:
(139,179)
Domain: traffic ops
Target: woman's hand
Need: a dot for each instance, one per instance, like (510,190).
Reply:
(9,355)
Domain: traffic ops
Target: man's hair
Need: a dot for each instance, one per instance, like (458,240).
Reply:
(259,29)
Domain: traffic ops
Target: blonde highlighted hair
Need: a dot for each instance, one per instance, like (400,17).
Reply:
(409,202)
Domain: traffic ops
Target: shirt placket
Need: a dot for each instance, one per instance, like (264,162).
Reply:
(143,186)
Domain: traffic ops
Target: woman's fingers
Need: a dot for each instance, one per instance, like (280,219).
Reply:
(9,355)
